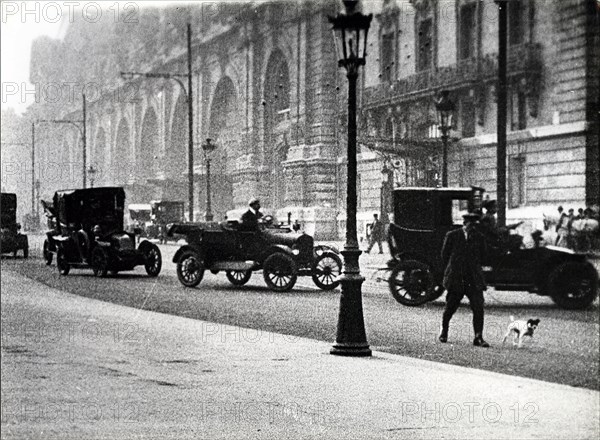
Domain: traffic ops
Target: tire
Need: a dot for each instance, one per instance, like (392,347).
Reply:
(61,263)
(47,254)
(280,272)
(412,283)
(153,261)
(238,277)
(326,270)
(573,285)
(99,262)
(190,268)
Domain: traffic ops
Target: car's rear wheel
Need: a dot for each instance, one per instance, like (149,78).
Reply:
(238,277)
(280,272)
(190,269)
(61,263)
(326,270)
(573,285)
(47,254)
(412,283)
(153,260)
(99,262)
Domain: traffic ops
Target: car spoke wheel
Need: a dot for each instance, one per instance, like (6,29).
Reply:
(61,263)
(326,271)
(153,261)
(411,283)
(99,262)
(280,272)
(573,285)
(47,254)
(238,277)
(190,269)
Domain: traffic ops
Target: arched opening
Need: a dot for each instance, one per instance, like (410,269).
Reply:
(122,144)
(177,151)
(146,157)
(223,131)
(276,125)
(100,159)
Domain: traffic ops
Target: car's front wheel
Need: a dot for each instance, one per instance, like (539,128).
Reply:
(153,261)
(573,285)
(190,269)
(412,283)
(99,262)
(238,277)
(280,272)
(326,270)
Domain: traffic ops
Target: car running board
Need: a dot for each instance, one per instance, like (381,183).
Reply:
(234,265)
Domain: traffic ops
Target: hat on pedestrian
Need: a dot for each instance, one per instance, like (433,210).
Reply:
(253,200)
(473,216)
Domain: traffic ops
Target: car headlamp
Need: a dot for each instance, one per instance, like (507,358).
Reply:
(296,251)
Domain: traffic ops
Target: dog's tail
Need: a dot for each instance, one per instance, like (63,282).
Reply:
(512,318)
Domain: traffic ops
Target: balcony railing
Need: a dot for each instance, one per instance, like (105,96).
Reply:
(523,60)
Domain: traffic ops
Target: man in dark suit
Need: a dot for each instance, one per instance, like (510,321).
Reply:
(462,253)
(249,220)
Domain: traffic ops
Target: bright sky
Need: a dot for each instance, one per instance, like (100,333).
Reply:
(17,31)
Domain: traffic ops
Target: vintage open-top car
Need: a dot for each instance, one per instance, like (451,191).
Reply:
(89,233)
(282,255)
(11,239)
(423,216)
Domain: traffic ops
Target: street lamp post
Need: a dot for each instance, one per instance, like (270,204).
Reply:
(445,110)
(207,147)
(351,38)
(188,93)
(92,172)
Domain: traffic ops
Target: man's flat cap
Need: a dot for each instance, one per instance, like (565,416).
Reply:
(471,216)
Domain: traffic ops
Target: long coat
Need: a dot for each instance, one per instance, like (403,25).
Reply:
(462,260)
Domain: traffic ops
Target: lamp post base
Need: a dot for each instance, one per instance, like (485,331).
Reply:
(351,339)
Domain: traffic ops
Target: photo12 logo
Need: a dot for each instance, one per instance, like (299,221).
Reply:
(55,12)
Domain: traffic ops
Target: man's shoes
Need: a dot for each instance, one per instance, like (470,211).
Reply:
(443,338)
(479,342)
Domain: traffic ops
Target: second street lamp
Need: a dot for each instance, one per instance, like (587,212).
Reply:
(207,148)
(351,38)
(445,110)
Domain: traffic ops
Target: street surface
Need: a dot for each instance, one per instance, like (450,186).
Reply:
(78,368)
(564,348)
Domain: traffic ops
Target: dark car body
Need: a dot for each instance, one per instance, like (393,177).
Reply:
(282,255)
(11,239)
(89,233)
(423,217)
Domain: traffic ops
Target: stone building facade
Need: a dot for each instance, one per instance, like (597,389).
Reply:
(267,90)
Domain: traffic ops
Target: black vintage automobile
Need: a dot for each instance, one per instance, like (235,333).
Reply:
(89,233)
(11,239)
(282,255)
(163,213)
(423,216)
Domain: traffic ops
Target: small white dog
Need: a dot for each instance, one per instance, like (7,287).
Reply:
(520,328)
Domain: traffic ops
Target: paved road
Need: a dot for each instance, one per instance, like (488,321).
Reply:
(564,350)
(77,368)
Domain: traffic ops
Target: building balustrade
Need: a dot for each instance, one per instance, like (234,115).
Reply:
(524,60)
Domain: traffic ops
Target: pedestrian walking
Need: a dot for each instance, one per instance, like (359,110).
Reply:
(562,230)
(462,253)
(376,234)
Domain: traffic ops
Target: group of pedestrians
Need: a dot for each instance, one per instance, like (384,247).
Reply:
(577,231)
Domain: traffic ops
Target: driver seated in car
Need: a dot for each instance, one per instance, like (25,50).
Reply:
(249,220)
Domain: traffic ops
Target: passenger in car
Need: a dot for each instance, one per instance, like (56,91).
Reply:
(249,220)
